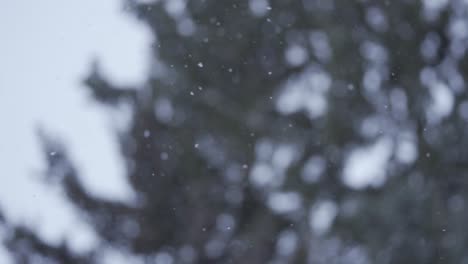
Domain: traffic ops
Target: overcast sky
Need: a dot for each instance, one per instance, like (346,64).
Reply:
(45,50)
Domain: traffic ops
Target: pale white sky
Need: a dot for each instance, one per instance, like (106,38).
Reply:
(45,50)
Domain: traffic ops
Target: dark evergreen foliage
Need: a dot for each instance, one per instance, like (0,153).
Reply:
(212,116)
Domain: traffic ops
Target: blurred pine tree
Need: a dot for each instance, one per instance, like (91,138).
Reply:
(240,142)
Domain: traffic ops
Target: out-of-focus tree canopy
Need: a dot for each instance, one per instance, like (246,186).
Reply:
(285,131)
